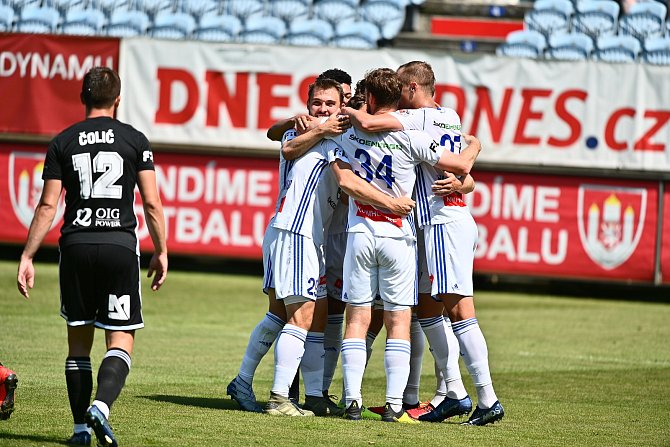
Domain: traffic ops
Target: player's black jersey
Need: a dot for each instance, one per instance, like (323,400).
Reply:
(98,160)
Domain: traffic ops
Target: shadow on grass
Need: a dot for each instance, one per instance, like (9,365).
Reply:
(202,402)
(34,438)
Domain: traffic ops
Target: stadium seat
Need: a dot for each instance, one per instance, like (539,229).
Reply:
(644,20)
(109,7)
(263,30)
(334,11)
(596,18)
(173,25)
(36,19)
(618,48)
(549,16)
(6,18)
(128,23)
(212,26)
(657,50)
(64,6)
(523,43)
(356,34)
(289,10)
(569,47)
(199,8)
(79,21)
(246,9)
(388,15)
(154,7)
(309,32)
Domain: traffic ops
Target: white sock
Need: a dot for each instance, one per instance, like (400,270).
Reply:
(396,364)
(312,364)
(78,428)
(417,341)
(455,387)
(260,340)
(353,367)
(289,349)
(104,409)
(476,358)
(369,340)
(440,387)
(332,343)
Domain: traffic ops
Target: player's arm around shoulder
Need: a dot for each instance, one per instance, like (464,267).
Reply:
(298,146)
(39,227)
(462,163)
(155,219)
(362,120)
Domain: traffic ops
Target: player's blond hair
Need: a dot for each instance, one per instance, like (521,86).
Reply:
(419,72)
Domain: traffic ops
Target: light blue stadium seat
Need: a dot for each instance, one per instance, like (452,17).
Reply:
(657,50)
(289,10)
(388,15)
(84,22)
(569,47)
(128,23)
(263,30)
(214,35)
(523,43)
(356,34)
(36,19)
(644,19)
(549,16)
(6,18)
(617,48)
(211,23)
(65,6)
(596,18)
(309,32)
(334,11)
(110,7)
(246,9)
(199,8)
(173,25)
(154,7)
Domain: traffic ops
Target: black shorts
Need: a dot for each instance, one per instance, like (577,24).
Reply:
(100,284)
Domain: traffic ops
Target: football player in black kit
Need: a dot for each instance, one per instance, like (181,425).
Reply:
(98,162)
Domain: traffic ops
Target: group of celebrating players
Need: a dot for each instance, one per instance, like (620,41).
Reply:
(347,235)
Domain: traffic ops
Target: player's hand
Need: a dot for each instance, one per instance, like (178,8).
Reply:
(159,266)
(303,123)
(335,125)
(402,206)
(471,139)
(447,185)
(25,279)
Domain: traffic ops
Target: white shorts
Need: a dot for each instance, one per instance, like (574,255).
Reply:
(336,245)
(380,265)
(450,251)
(424,276)
(269,244)
(296,266)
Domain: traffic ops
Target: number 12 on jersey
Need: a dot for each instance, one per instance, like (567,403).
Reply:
(383,171)
(110,164)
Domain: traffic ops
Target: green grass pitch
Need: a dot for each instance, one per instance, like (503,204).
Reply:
(569,372)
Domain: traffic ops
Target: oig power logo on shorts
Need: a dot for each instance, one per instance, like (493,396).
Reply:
(25,186)
(610,220)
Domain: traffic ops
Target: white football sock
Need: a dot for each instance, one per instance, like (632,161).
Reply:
(440,387)
(312,364)
(332,343)
(396,364)
(476,358)
(353,367)
(260,340)
(417,342)
(289,350)
(455,387)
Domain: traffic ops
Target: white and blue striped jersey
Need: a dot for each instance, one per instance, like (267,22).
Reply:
(444,126)
(308,192)
(387,161)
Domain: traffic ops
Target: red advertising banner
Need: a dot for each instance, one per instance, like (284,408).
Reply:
(560,226)
(43,74)
(213,205)
(529,224)
(665,248)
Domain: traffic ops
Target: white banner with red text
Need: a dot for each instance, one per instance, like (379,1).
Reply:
(577,114)
(529,224)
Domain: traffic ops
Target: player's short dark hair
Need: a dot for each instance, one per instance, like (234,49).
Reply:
(384,85)
(419,72)
(358,100)
(100,88)
(325,84)
(336,74)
